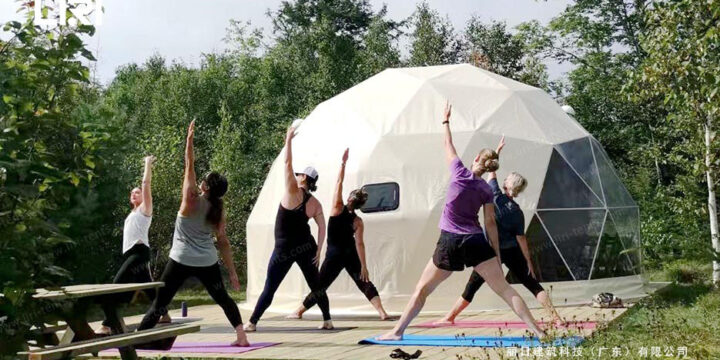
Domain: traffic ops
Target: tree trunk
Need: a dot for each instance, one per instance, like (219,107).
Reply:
(712,202)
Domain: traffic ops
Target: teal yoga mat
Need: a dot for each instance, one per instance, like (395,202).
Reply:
(476,341)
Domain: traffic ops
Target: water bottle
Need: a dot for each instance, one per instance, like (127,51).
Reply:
(183,309)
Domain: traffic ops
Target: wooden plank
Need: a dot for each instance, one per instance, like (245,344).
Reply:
(79,291)
(122,340)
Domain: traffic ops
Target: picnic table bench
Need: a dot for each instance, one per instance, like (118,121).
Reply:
(79,337)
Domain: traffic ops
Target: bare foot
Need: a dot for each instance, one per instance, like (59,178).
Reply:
(444,322)
(389,337)
(250,327)
(294,316)
(240,343)
(326,325)
(103,331)
(165,319)
(385,317)
(559,323)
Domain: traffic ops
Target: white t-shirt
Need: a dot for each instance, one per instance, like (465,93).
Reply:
(137,226)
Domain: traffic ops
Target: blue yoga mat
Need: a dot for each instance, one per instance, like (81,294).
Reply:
(478,341)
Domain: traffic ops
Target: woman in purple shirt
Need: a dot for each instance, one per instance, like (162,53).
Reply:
(462,242)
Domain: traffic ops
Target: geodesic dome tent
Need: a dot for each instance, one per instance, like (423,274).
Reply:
(582,224)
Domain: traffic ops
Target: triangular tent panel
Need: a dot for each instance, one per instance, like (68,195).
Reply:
(576,234)
(627,222)
(579,155)
(615,192)
(610,260)
(547,263)
(563,187)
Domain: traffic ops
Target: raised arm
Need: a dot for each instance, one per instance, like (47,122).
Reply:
(189,189)
(290,181)
(337,197)
(291,185)
(223,245)
(491,227)
(147,205)
(320,221)
(450,152)
(500,146)
(360,247)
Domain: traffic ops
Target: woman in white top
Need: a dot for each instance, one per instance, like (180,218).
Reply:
(136,244)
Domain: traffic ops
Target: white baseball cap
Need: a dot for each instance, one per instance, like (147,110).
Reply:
(310,171)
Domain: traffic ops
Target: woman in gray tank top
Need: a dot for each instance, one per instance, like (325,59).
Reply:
(193,254)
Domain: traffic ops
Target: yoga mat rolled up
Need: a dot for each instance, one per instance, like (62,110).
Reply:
(473,341)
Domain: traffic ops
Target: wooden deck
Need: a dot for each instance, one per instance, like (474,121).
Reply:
(300,340)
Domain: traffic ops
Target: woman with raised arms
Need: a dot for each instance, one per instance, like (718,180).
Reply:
(462,242)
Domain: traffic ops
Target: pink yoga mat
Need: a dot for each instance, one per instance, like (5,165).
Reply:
(503,324)
(205,347)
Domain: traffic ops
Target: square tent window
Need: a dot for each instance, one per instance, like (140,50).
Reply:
(381,197)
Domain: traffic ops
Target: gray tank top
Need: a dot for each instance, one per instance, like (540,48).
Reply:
(193,243)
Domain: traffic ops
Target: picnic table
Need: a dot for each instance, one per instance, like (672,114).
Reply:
(73,305)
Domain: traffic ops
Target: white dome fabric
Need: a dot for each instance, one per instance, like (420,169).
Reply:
(582,224)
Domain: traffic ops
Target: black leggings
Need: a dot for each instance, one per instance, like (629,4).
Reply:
(334,263)
(174,276)
(280,263)
(135,269)
(514,259)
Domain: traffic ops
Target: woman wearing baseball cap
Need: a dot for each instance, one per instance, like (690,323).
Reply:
(294,242)
(346,247)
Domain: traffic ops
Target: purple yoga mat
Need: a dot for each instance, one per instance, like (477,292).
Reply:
(205,347)
(504,324)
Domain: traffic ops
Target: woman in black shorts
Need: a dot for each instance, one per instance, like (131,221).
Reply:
(293,241)
(514,250)
(462,242)
(345,248)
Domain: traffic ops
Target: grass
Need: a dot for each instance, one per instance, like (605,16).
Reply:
(686,313)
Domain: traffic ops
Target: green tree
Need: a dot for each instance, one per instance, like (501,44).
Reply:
(681,67)
(433,40)
(492,47)
(601,38)
(48,164)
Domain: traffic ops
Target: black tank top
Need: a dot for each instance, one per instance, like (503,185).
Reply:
(341,233)
(291,226)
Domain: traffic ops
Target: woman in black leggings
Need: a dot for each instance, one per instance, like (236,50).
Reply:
(294,242)
(193,252)
(514,252)
(345,248)
(136,243)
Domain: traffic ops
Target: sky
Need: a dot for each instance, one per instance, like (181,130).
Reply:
(182,30)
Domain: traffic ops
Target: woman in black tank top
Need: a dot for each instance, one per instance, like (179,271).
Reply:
(294,242)
(346,249)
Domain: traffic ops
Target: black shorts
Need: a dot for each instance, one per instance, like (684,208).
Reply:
(455,252)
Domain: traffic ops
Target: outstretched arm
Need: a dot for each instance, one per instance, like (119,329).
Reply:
(360,247)
(337,197)
(189,191)
(491,227)
(147,205)
(226,254)
(450,152)
(500,146)
(290,183)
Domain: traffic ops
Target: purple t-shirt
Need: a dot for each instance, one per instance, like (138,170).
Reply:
(465,196)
